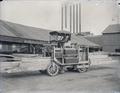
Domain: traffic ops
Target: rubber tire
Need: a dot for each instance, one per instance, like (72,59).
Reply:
(52,71)
(81,70)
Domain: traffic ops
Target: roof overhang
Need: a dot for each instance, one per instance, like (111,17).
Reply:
(21,40)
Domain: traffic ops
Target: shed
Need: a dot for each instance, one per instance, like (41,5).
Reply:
(26,34)
(82,41)
(14,37)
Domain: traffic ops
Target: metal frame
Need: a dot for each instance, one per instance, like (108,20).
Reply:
(63,56)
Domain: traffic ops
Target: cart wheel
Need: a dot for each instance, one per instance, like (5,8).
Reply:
(81,70)
(52,69)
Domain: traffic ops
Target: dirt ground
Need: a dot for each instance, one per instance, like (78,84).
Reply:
(99,79)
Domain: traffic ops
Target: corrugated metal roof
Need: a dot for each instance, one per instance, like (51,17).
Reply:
(114,28)
(97,39)
(4,30)
(18,30)
(21,31)
(82,41)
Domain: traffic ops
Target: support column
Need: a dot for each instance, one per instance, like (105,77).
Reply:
(87,54)
(34,50)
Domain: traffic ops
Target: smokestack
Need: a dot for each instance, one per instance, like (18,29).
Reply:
(79,18)
(62,18)
(65,16)
(70,18)
(73,18)
(0,7)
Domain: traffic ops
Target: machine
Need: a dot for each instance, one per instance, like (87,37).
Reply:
(64,58)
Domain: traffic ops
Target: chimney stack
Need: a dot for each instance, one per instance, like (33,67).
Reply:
(71,16)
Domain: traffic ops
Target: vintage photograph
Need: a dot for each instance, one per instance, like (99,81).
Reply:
(59,46)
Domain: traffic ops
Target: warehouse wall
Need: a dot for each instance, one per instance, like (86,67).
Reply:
(8,47)
(111,42)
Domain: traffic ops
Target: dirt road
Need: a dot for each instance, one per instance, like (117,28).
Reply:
(99,79)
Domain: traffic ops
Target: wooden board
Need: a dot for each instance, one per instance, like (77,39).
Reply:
(26,64)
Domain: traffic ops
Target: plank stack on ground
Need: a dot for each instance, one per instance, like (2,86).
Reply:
(97,59)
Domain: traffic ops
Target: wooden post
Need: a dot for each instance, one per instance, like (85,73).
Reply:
(87,56)
(79,53)
(34,50)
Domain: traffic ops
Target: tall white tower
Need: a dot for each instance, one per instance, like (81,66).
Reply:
(71,16)
(0,8)
(118,3)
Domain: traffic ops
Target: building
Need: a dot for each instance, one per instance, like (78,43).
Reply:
(83,42)
(21,39)
(71,16)
(109,40)
(17,38)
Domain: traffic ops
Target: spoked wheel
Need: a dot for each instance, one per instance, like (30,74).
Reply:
(53,69)
(83,69)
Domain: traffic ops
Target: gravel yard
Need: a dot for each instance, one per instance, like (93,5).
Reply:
(99,79)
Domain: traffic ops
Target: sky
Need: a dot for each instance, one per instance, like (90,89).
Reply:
(96,15)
